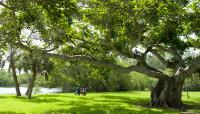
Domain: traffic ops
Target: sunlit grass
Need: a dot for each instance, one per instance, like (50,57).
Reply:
(94,103)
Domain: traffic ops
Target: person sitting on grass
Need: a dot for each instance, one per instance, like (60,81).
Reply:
(84,91)
(78,90)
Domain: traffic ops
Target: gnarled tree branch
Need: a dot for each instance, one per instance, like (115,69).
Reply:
(189,70)
(141,68)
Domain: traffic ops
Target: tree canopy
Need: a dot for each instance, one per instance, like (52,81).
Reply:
(99,32)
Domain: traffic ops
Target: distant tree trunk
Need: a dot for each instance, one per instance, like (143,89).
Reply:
(12,64)
(31,84)
(167,93)
(188,94)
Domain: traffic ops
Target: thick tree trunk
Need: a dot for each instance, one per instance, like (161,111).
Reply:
(12,63)
(31,84)
(167,93)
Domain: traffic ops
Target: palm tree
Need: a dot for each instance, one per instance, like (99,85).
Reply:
(12,66)
(37,65)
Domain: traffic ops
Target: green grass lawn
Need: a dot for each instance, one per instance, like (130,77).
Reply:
(94,103)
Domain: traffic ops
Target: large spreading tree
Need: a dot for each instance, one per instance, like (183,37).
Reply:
(99,32)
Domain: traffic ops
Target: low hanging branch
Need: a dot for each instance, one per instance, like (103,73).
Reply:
(141,68)
(103,63)
(190,69)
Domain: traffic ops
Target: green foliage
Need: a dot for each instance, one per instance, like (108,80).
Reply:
(36,90)
(6,79)
(24,80)
(141,82)
(102,29)
(41,81)
(192,83)
(70,75)
(154,62)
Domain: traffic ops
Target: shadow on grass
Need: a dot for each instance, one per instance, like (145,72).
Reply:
(99,109)
(4,97)
(192,105)
(142,103)
(108,105)
(9,112)
(77,110)
(41,100)
(102,104)
(35,99)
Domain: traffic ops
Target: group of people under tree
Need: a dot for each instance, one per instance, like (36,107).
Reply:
(80,90)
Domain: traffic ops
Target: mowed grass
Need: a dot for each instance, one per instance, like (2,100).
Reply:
(94,103)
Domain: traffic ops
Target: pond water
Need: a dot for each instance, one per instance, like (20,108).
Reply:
(36,90)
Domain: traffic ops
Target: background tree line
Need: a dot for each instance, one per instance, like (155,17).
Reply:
(68,75)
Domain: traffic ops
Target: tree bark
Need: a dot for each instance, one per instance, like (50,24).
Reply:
(12,63)
(31,84)
(167,93)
